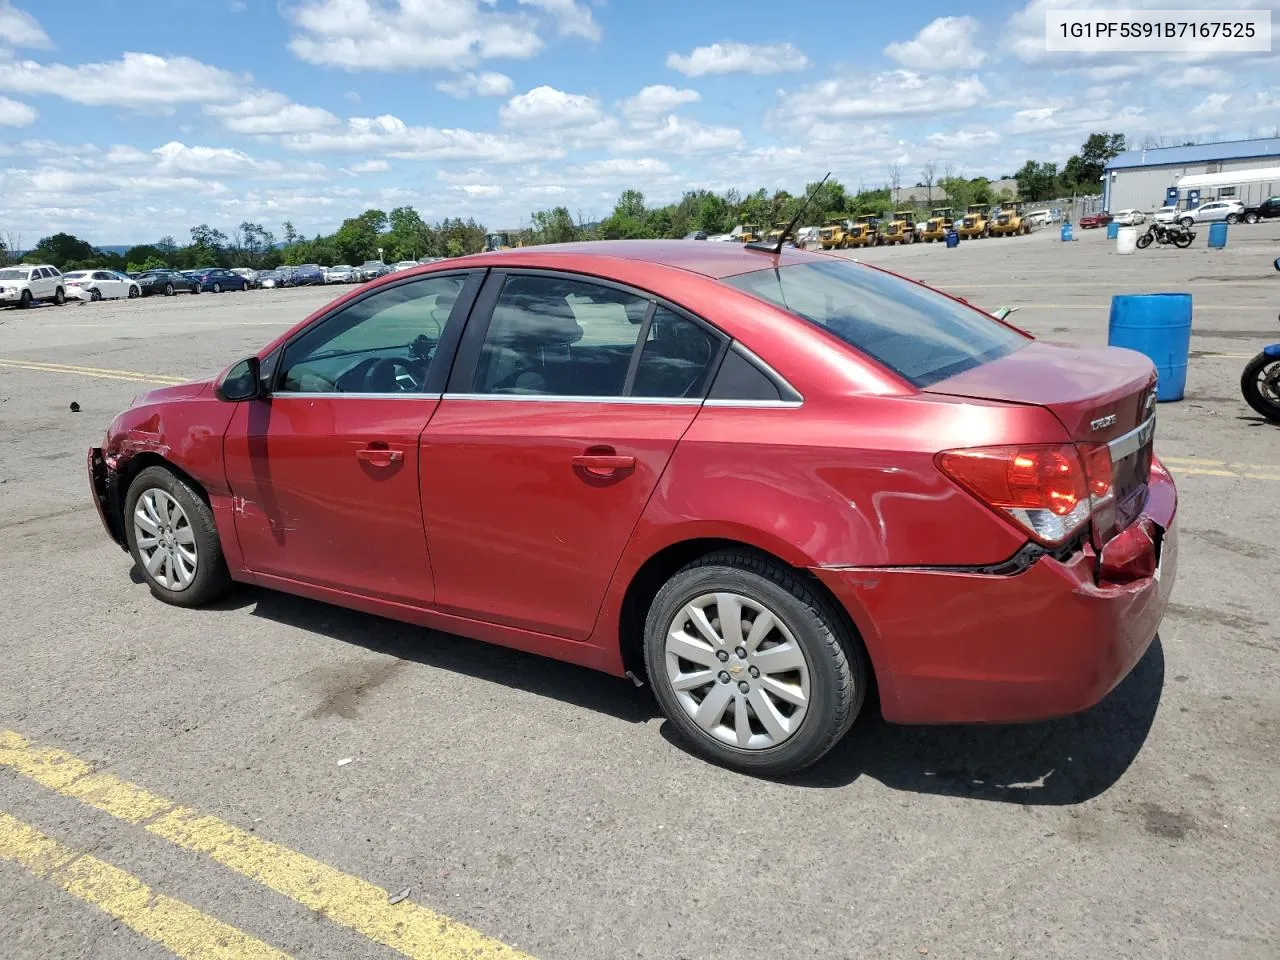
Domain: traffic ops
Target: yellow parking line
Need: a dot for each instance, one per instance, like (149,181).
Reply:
(99,372)
(1196,466)
(407,927)
(181,928)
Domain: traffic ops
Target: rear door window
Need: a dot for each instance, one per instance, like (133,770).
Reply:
(918,333)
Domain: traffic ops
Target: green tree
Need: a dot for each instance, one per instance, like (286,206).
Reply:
(408,237)
(60,249)
(151,262)
(1038,181)
(554,226)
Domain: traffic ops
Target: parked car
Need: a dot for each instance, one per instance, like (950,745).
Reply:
(166,282)
(1092,220)
(833,478)
(250,275)
(100,285)
(1268,209)
(696,235)
(217,279)
(272,279)
(1215,210)
(1130,218)
(404,265)
(1040,218)
(308,274)
(342,273)
(1165,215)
(372,269)
(26,284)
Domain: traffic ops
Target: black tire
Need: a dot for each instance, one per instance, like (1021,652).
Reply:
(134,293)
(1183,240)
(95,295)
(1252,394)
(25,300)
(59,297)
(1144,241)
(1232,218)
(838,666)
(168,289)
(196,288)
(217,288)
(211,577)
(1250,218)
(1187,221)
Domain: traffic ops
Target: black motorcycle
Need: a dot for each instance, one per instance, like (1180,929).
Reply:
(1166,233)
(1260,382)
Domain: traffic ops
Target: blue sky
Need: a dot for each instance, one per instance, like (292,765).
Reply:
(124,120)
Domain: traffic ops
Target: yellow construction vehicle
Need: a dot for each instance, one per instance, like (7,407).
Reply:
(901,228)
(502,240)
(936,227)
(975,223)
(1009,221)
(776,233)
(862,232)
(751,233)
(834,234)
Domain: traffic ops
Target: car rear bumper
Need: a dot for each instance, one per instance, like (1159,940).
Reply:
(959,647)
(104,488)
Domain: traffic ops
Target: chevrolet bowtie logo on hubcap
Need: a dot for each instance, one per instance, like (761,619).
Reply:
(736,668)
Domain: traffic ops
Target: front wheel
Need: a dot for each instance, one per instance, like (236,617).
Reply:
(1260,384)
(24,301)
(217,288)
(1144,241)
(134,293)
(168,289)
(173,539)
(1250,218)
(754,668)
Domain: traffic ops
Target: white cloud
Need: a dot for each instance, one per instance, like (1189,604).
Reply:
(265,113)
(486,84)
(141,81)
(1179,78)
(1237,105)
(945,44)
(730,57)
(963,139)
(351,96)
(370,166)
(895,93)
(409,34)
(15,114)
(20,29)
(656,100)
(572,18)
(548,108)
(1067,118)
(1113,71)
(680,135)
(619,169)
(388,135)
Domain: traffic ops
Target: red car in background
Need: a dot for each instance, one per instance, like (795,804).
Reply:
(1095,220)
(757,480)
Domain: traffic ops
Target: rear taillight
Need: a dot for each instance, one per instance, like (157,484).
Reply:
(1050,490)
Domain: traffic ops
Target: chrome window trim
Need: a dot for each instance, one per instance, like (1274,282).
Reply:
(399,395)
(759,404)
(1133,441)
(752,357)
(561,398)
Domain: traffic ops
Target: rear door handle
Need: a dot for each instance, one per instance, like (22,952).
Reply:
(603,464)
(379,455)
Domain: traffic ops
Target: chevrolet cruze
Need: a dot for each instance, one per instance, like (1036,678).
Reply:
(765,484)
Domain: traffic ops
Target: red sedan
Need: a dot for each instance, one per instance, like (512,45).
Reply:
(760,482)
(1090,220)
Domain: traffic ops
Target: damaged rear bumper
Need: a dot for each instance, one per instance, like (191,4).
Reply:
(104,486)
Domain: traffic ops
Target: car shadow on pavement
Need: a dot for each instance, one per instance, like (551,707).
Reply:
(1051,763)
(579,686)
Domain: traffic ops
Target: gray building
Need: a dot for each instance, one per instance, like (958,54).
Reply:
(1143,179)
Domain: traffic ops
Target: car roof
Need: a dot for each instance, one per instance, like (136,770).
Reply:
(715,260)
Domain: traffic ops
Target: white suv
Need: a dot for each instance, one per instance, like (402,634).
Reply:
(25,284)
(1228,210)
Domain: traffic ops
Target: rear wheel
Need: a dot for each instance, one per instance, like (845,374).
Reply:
(1260,385)
(751,665)
(168,289)
(1250,217)
(1232,218)
(173,539)
(1183,240)
(59,297)
(95,294)
(1187,221)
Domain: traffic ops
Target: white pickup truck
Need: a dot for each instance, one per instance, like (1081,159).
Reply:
(24,285)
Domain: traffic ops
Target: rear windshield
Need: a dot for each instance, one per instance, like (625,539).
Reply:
(917,333)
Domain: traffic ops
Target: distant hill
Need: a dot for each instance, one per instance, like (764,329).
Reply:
(120,248)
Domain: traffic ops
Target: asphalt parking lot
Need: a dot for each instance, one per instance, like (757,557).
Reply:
(532,808)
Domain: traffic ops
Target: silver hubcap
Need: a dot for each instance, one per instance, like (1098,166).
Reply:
(737,670)
(166,542)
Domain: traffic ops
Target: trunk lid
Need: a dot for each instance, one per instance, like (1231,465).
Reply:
(1099,394)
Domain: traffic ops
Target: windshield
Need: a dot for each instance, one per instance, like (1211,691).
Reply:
(916,332)
(12,274)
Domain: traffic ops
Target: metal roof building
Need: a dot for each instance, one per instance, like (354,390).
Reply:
(1144,179)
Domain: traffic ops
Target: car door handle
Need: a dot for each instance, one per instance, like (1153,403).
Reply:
(379,456)
(603,464)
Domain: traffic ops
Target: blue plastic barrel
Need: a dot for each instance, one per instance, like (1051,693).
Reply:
(1158,325)
(1113,230)
(1065,233)
(1218,235)
(953,239)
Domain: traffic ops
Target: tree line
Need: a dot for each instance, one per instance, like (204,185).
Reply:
(402,234)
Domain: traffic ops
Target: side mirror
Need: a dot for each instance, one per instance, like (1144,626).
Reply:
(241,382)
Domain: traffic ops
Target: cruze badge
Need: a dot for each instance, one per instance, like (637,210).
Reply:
(1103,422)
